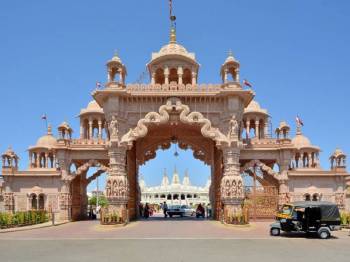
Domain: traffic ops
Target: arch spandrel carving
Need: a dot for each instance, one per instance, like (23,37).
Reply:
(185,116)
(265,168)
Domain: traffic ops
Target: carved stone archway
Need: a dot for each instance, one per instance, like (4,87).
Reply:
(122,185)
(78,187)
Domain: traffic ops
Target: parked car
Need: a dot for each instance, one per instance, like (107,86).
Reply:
(178,210)
(307,216)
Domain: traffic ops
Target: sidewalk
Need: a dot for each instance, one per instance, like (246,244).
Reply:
(37,226)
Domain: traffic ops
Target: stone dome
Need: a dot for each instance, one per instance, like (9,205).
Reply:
(46,141)
(254,107)
(301,141)
(92,107)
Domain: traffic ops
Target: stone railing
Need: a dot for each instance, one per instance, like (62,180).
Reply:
(88,142)
(202,88)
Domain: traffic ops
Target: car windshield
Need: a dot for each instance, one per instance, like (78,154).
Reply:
(286,209)
(175,207)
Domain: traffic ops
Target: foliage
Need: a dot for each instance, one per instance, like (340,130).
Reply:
(102,201)
(108,218)
(345,218)
(20,218)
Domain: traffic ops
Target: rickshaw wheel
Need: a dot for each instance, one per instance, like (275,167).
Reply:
(275,231)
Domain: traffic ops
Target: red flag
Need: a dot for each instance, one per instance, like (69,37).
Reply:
(246,83)
(299,121)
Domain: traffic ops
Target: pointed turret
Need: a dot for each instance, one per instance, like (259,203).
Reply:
(176,178)
(186,181)
(165,179)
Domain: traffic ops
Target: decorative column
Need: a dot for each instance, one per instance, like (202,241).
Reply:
(90,129)
(166,75)
(30,159)
(309,161)
(153,78)
(179,73)
(81,129)
(266,129)
(117,184)
(257,128)
(232,192)
(100,129)
(194,78)
(247,128)
(65,197)
(46,160)
(283,190)
(237,75)
(225,75)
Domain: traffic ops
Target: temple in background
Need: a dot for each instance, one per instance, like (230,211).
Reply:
(175,192)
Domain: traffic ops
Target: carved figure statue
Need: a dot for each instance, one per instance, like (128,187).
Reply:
(113,127)
(233,131)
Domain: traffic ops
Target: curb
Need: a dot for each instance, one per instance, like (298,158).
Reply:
(18,229)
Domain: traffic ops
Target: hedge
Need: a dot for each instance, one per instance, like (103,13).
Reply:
(16,219)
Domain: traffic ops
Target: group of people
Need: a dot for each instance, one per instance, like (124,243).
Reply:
(146,211)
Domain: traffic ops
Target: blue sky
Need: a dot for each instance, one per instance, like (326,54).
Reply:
(295,52)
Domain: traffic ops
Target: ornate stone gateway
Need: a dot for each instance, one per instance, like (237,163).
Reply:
(126,123)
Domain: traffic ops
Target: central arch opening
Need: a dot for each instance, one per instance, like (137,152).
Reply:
(189,159)
(177,178)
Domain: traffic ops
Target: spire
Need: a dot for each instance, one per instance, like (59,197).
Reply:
(172,23)
(165,179)
(172,35)
(49,130)
(176,178)
(186,181)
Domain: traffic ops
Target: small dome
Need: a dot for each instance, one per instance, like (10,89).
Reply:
(64,125)
(254,107)
(230,58)
(301,141)
(338,153)
(10,153)
(47,141)
(92,107)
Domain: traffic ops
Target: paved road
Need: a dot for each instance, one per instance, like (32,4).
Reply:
(167,240)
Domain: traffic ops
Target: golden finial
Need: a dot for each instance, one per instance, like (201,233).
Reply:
(172,35)
(49,129)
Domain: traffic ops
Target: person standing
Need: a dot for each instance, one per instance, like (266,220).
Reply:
(146,211)
(165,209)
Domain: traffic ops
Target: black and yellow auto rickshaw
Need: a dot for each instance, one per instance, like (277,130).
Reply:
(307,216)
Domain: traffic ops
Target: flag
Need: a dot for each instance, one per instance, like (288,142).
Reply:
(98,85)
(44,117)
(246,83)
(299,121)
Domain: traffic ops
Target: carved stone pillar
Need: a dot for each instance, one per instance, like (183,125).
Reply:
(166,76)
(117,185)
(90,129)
(180,74)
(194,78)
(247,128)
(232,191)
(237,75)
(99,129)
(226,75)
(81,130)
(65,196)
(9,202)
(257,131)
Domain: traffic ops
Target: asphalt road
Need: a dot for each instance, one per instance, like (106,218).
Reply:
(177,250)
(168,240)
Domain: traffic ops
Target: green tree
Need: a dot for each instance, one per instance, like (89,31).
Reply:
(102,201)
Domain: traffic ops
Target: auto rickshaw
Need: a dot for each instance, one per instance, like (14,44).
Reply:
(307,216)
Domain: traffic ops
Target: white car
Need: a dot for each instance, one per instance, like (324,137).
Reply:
(181,211)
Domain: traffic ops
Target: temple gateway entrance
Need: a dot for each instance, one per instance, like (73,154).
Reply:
(174,122)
